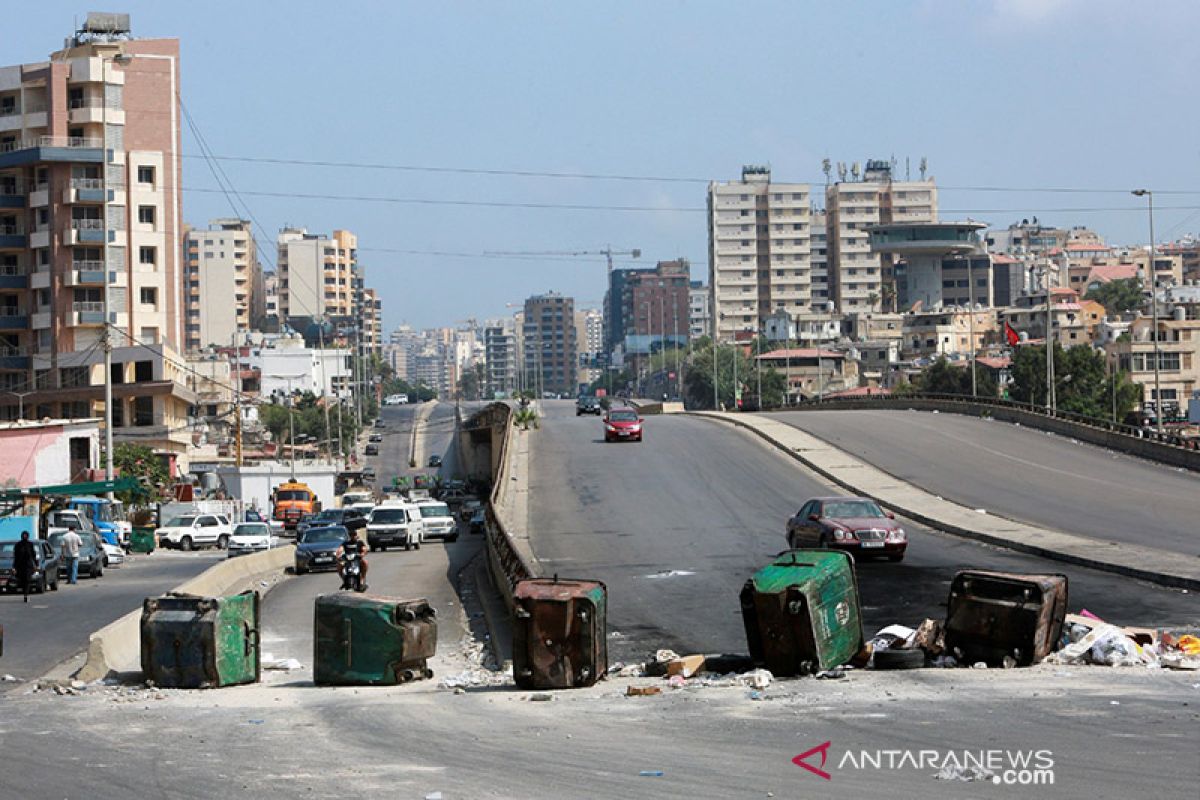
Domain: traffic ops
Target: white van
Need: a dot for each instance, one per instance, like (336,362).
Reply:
(393,524)
(438,521)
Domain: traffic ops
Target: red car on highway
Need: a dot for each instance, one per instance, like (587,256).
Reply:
(854,524)
(622,424)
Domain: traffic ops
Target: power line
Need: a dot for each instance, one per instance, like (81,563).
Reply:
(626,177)
(426,201)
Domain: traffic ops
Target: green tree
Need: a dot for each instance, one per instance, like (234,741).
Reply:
(139,461)
(1119,296)
(942,377)
(1082,382)
(698,384)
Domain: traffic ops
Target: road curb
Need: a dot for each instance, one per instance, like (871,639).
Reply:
(117,646)
(1172,580)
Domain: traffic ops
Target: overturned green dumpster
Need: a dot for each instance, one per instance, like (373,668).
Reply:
(193,642)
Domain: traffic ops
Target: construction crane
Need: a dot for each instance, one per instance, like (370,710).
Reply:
(607,252)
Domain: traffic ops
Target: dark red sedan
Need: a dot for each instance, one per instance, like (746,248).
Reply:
(622,424)
(854,524)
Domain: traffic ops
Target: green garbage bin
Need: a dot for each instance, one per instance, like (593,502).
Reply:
(193,642)
(801,612)
(141,540)
(376,641)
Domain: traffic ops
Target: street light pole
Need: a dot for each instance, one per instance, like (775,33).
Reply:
(971,312)
(758,366)
(716,391)
(1158,399)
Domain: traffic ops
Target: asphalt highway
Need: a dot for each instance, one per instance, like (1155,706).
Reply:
(676,524)
(1022,473)
(55,626)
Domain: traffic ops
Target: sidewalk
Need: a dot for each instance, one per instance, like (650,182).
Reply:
(1146,563)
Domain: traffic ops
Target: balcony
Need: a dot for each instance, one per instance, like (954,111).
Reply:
(39,279)
(90,275)
(84,190)
(13,278)
(84,231)
(11,196)
(67,149)
(14,357)
(12,236)
(90,111)
(86,313)
(40,320)
(40,236)
(39,196)
(13,319)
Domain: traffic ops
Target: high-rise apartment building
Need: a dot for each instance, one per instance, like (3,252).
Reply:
(500,355)
(550,343)
(317,274)
(372,321)
(221,272)
(699,310)
(862,280)
(819,258)
(589,338)
(759,241)
(89,204)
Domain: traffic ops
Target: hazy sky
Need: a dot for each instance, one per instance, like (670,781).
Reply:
(1021,95)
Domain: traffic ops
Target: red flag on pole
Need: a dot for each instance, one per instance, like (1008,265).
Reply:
(1011,335)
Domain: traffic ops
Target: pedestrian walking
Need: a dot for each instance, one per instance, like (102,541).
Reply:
(71,542)
(24,562)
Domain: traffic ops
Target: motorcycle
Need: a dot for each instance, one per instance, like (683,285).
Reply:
(352,572)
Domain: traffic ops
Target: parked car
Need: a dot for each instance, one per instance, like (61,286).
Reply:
(478,523)
(379,423)
(375,437)
(368,474)
(854,524)
(45,575)
(113,556)
(372,449)
(195,530)
(91,554)
(315,548)
(588,405)
(395,524)
(434,461)
(251,537)
(622,424)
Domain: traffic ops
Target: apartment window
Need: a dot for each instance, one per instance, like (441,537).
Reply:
(147,255)
(145,174)
(149,296)
(146,215)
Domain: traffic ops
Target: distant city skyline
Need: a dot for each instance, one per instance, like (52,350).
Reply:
(1009,101)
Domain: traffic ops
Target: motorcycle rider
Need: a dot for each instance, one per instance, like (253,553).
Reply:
(354,545)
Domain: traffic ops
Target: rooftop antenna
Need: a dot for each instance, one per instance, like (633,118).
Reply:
(841,169)
(907,169)
(854,170)
(924,167)
(827,168)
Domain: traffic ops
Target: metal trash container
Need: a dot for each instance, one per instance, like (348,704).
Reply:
(990,615)
(193,642)
(364,640)
(141,540)
(801,612)
(559,633)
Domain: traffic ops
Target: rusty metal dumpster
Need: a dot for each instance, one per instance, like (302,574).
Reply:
(801,612)
(365,640)
(559,633)
(192,642)
(991,615)
(142,540)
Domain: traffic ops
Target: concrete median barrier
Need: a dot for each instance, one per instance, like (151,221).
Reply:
(116,648)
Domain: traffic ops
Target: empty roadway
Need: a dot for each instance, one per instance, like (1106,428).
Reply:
(1021,473)
(675,525)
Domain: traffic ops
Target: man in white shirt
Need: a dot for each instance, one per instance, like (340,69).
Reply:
(71,542)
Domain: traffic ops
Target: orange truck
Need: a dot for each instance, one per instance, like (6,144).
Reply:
(291,501)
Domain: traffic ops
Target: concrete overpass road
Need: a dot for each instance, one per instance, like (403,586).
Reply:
(1021,473)
(675,525)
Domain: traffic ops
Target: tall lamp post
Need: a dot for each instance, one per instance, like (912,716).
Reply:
(1158,402)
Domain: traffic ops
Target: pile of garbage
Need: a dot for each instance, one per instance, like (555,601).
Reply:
(1087,639)
(693,671)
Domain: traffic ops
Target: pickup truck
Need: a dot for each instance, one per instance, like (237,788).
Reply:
(190,531)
